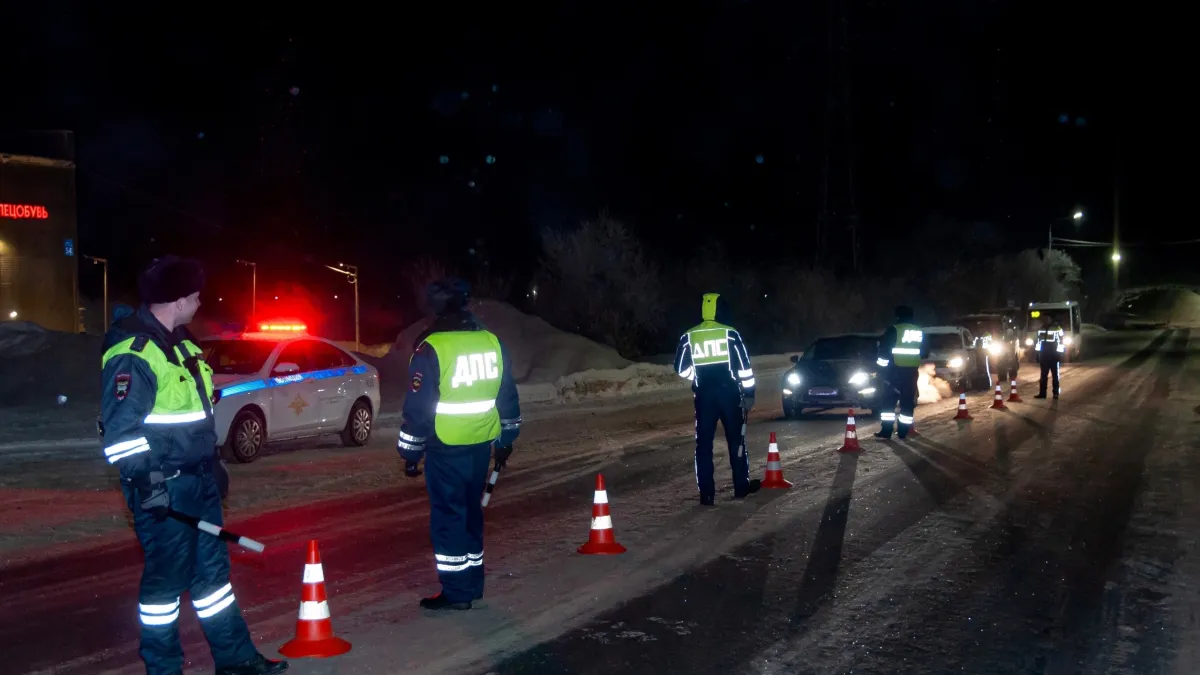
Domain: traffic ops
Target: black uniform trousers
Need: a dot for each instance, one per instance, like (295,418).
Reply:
(901,392)
(454,478)
(725,405)
(1050,364)
(181,558)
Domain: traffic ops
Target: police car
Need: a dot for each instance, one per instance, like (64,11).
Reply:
(282,383)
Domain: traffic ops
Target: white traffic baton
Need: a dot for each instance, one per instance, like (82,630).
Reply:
(491,485)
(217,531)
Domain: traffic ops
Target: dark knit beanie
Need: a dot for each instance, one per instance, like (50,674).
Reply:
(170,278)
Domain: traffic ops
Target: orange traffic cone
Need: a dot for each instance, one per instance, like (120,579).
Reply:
(1013,396)
(314,630)
(774,478)
(600,539)
(998,404)
(963,413)
(851,444)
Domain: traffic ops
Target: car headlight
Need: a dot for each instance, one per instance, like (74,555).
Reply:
(1068,340)
(858,379)
(956,362)
(793,379)
(995,349)
(1028,342)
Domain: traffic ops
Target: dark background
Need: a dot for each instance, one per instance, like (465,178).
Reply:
(297,137)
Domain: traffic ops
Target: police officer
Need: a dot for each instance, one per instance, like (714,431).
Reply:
(901,349)
(462,397)
(712,355)
(157,425)
(1050,348)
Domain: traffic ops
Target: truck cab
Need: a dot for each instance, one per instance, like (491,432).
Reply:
(1065,314)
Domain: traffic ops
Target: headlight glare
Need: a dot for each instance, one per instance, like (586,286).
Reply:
(793,379)
(956,362)
(858,379)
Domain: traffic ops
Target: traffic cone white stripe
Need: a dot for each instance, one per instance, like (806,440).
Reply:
(850,420)
(851,434)
(314,574)
(774,466)
(602,523)
(601,497)
(314,611)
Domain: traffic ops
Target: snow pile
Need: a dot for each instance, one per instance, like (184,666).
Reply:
(22,338)
(38,365)
(539,352)
(1185,313)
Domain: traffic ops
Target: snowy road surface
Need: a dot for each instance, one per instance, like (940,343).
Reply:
(1052,537)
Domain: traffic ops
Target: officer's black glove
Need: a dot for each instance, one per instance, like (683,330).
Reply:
(747,403)
(411,470)
(502,454)
(221,474)
(508,437)
(155,499)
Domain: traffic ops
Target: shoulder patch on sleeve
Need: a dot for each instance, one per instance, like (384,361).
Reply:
(121,388)
(416,382)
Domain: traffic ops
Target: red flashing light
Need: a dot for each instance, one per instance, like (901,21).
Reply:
(282,327)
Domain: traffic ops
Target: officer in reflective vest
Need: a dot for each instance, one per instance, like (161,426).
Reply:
(1050,348)
(157,425)
(712,355)
(461,399)
(901,349)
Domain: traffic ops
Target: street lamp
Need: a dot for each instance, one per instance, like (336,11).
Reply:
(104,262)
(1077,216)
(1116,257)
(253,288)
(351,272)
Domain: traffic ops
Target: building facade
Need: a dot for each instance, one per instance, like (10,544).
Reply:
(39,277)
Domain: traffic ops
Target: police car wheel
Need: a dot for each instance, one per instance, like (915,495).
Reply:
(247,435)
(358,425)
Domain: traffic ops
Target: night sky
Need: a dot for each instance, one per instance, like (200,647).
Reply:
(299,137)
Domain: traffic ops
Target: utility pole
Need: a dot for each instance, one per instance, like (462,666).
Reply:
(1116,214)
(351,272)
(104,262)
(253,289)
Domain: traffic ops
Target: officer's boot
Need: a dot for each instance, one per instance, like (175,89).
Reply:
(885,431)
(753,486)
(259,665)
(441,602)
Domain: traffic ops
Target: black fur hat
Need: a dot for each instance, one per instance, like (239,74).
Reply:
(170,278)
(447,295)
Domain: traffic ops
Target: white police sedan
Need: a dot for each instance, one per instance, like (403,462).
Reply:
(282,383)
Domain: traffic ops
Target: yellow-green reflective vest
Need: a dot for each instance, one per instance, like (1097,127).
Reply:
(710,343)
(471,371)
(907,352)
(177,400)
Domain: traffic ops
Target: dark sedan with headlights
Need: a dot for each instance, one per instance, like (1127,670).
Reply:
(834,372)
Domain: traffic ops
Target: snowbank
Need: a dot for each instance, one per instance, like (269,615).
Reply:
(38,365)
(539,352)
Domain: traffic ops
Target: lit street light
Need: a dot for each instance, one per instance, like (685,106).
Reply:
(351,273)
(1116,257)
(1077,216)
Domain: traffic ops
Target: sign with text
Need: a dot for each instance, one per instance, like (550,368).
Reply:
(23,212)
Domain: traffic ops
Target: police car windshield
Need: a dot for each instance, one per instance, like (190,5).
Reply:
(236,357)
(836,349)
